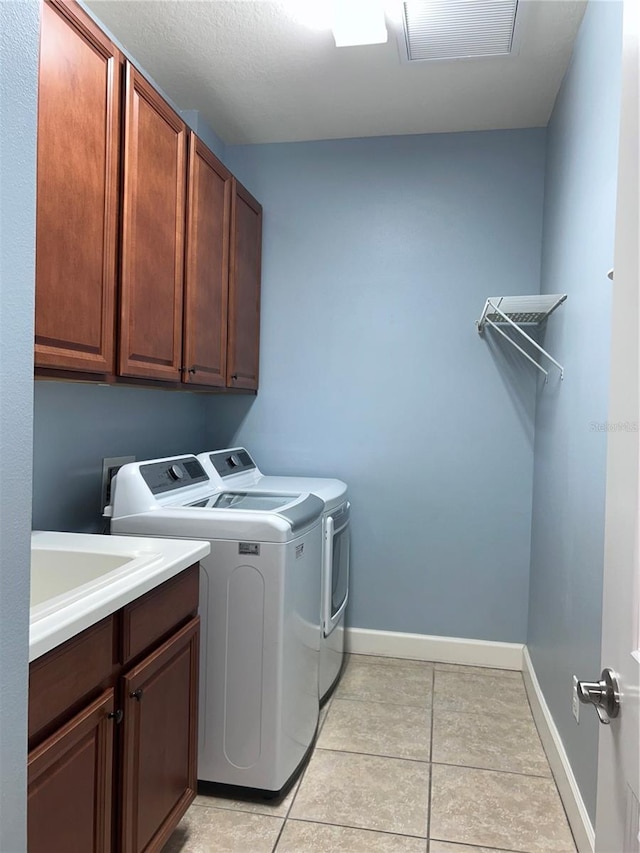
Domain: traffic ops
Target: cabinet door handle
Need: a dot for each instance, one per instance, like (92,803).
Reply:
(191,370)
(116,716)
(137,694)
(234,377)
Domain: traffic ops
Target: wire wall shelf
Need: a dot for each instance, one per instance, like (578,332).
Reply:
(518,311)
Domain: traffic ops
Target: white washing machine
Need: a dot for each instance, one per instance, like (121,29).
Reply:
(259,596)
(234,468)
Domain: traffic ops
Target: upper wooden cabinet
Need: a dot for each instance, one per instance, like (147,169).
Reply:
(148,249)
(77,192)
(244,290)
(206,267)
(152,245)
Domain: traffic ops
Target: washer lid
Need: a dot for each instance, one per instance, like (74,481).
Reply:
(332,492)
(234,468)
(177,492)
(299,510)
(263,501)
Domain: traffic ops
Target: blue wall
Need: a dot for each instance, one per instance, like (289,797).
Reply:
(570,454)
(378,256)
(210,138)
(19,37)
(206,134)
(76,425)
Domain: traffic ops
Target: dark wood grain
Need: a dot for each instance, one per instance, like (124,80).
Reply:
(77,197)
(152,617)
(152,243)
(70,784)
(159,761)
(65,747)
(69,675)
(206,267)
(244,290)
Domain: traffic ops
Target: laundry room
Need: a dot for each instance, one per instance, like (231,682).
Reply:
(393,205)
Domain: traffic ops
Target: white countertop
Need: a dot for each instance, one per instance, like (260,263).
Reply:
(146,563)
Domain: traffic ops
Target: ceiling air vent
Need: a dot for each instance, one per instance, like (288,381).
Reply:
(458,29)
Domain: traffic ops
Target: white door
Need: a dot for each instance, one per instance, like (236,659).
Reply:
(617,818)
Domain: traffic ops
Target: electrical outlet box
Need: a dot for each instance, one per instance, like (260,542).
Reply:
(575,702)
(110,467)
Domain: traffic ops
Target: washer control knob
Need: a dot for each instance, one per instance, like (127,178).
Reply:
(176,472)
(233,461)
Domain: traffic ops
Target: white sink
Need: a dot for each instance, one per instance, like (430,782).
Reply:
(78,579)
(54,573)
(60,576)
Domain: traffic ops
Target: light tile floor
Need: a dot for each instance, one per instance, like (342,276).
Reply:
(412,757)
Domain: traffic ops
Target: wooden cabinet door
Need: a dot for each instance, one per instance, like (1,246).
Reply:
(70,784)
(77,198)
(206,267)
(159,761)
(152,234)
(244,290)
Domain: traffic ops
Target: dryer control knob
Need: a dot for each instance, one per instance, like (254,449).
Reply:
(176,472)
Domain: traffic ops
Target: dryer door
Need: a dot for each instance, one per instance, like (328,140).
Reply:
(336,567)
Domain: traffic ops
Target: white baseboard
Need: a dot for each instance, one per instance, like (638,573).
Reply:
(569,792)
(442,649)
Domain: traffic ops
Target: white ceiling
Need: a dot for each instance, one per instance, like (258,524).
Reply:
(257,75)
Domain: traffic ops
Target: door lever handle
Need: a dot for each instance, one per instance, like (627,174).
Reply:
(604,695)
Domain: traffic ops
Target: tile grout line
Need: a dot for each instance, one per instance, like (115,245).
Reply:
(433,693)
(376,755)
(466,670)
(350,698)
(279,836)
(463,844)
(389,660)
(302,775)
(451,709)
(358,828)
(439,763)
(493,770)
(573,838)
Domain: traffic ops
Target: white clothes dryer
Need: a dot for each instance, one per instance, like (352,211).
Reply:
(235,468)
(260,625)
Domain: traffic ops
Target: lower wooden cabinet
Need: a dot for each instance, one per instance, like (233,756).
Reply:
(160,741)
(114,769)
(70,784)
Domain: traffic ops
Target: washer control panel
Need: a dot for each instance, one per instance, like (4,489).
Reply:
(173,474)
(228,462)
